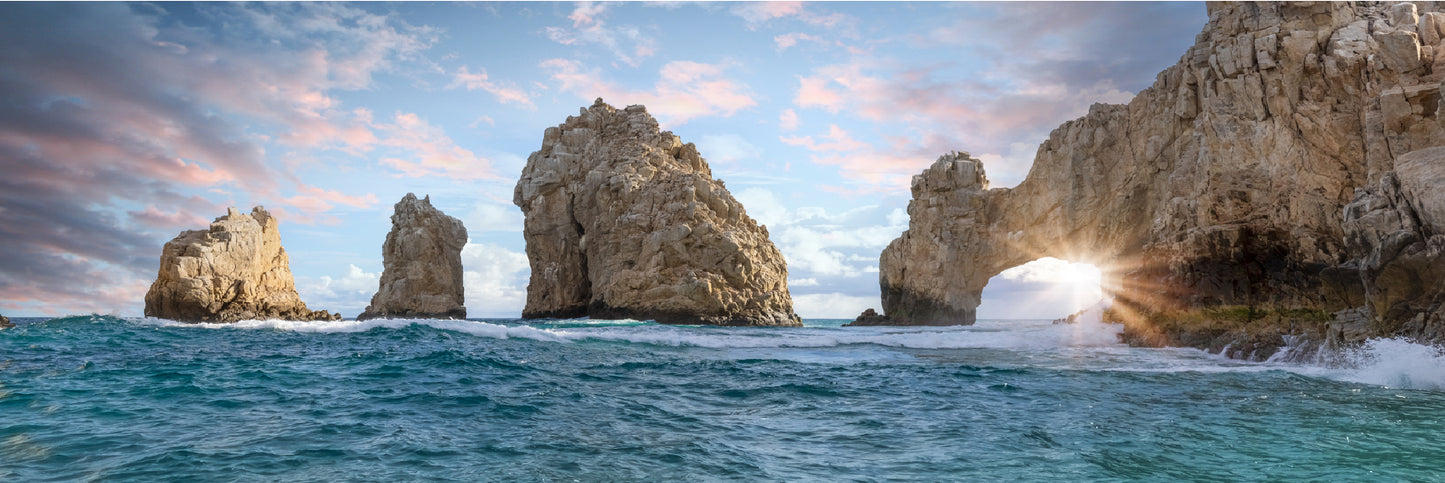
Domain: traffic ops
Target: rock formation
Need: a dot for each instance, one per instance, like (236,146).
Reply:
(234,271)
(869,317)
(422,260)
(5,322)
(626,221)
(1216,200)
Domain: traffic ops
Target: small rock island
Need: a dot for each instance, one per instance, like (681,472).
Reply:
(626,221)
(236,270)
(5,322)
(422,260)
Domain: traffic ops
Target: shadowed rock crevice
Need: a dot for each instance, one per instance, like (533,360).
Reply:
(1259,183)
(623,220)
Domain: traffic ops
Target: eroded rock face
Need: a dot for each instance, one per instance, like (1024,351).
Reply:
(236,270)
(1215,201)
(422,260)
(626,221)
(5,322)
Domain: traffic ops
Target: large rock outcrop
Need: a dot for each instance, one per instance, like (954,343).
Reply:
(422,265)
(626,221)
(1215,201)
(236,270)
(5,322)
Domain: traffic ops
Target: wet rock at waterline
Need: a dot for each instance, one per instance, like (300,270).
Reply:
(869,317)
(624,220)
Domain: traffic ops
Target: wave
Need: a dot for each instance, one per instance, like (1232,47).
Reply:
(998,335)
(1396,363)
(1392,363)
(481,329)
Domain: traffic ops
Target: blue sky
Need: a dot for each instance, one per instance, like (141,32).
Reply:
(123,124)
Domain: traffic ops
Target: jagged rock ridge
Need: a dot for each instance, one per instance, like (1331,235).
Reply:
(625,221)
(1215,201)
(236,270)
(422,265)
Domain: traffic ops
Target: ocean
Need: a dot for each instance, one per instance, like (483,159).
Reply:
(120,399)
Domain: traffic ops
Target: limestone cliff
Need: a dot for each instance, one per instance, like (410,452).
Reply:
(1215,201)
(626,221)
(236,270)
(422,265)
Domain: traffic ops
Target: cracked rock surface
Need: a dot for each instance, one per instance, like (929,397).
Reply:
(624,220)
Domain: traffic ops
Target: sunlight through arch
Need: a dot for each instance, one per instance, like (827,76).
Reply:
(1046,288)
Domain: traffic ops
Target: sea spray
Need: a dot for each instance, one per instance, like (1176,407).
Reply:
(1397,363)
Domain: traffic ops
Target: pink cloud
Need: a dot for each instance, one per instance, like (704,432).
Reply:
(941,114)
(112,107)
(788,120)
(787,40)
(167,220)
(430,152)
(839,139)
(626,43)
(685,90)
(756,13)
(480,81)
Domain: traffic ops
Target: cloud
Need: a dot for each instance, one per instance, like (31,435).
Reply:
(421,149)
(116,116)
(1041,65)
(487,217)
(838,140)
(757,13)
(726,148)
(625,42)
(788,120)
(787,40)
(832,305)
(495,280)
(685,90)
(820,244)
(480,81)
(347,294)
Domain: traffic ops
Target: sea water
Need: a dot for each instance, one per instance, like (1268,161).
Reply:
(106,398)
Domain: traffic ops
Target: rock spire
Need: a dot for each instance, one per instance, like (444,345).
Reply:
(422,259)
(625,221)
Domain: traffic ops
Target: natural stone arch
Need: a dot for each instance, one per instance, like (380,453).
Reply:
(962,234)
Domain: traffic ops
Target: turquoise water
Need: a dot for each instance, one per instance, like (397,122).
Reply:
(143,400)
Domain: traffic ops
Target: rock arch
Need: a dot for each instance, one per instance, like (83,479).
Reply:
(1269,183)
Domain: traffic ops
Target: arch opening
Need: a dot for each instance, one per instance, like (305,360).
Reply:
(1045,288)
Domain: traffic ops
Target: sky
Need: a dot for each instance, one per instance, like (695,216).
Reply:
(122,125)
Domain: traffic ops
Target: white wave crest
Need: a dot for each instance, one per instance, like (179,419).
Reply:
(1397,363)
(481,329)
(987,334)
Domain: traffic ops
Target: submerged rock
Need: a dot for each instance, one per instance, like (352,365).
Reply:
(422,259)
(625,221)
(236,270)
(1215,202)
(869,317)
